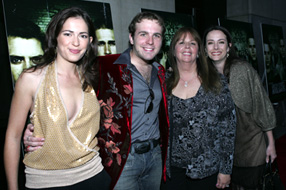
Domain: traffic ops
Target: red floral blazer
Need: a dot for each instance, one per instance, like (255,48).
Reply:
(116,97)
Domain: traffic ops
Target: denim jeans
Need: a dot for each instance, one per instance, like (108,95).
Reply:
(141,171)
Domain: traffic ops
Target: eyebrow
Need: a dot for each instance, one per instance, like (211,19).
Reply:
(73,31)
(217,40)
(157,33)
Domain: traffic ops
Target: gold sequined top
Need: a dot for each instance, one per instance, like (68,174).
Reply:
(68,144)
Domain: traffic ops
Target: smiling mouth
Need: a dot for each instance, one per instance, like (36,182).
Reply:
(74,51)
(216,53)
(148,49)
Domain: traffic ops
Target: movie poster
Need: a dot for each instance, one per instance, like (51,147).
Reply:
(243,40)
(275,61)
(26,22)
(173,21)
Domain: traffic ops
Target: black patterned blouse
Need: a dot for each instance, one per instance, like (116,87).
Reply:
(203,131)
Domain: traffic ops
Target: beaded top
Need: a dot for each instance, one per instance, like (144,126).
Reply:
(67,144)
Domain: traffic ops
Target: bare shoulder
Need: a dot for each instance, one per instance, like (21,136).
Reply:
(29,80)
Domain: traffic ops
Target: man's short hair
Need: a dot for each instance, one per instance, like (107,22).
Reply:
(145,15)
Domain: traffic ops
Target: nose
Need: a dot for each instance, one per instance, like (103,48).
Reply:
(75,41)
(187,44)
(107,49)
(27,63)
(150,40)
(215,45)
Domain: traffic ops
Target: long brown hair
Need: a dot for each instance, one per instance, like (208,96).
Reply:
(232,54)
(208,75)
(87,61)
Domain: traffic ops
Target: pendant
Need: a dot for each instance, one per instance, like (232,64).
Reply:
(186,84)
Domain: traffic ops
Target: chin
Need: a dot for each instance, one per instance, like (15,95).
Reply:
(215,58)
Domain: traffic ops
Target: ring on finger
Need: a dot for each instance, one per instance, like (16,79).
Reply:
(26,149)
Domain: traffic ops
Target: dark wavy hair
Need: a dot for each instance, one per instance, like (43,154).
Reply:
(20,27)
(209,77)
(232,53)
(145,15)
(87,61)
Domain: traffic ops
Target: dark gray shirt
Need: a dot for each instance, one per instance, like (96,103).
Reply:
(145,126)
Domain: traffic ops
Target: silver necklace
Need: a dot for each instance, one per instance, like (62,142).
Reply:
(186,82)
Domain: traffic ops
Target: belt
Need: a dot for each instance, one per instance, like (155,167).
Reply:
(144,146)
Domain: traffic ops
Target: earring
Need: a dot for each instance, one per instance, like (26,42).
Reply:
(198,56)
(206,53)
(227,54)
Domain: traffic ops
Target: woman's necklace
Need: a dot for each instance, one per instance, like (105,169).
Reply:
(186,83)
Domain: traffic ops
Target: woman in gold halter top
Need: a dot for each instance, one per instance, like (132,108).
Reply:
(64,110)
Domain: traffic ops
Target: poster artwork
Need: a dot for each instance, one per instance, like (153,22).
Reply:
(275,60)
(26,22)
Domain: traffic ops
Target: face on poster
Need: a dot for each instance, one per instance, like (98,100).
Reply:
(275,60)
(243,40)
(26,22)
(173,21)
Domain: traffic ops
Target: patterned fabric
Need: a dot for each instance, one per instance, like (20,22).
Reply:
(255,114)
(115,93)
(203,133)
(68,144)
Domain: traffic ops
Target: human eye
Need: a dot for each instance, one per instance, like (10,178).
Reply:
(84,36)
(194,43)
(101,43)
(142,34)
(36,59)
(157,36)
(222,42)
(210,43)
(67,34)
(112,43)
(16,60)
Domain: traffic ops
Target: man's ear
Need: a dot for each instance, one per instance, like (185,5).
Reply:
(131,39)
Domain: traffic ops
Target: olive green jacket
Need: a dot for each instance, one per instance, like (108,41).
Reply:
(255,114)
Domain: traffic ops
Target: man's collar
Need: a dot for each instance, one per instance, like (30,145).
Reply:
(125,59)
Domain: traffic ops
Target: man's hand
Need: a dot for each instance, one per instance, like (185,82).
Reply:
(223,181)
(31,143)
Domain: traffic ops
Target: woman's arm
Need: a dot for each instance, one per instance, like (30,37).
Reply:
(223,181)
(270,151)
(227,124)
(21,103)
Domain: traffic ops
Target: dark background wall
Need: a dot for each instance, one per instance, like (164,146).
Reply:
(206,13)
(6,93)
